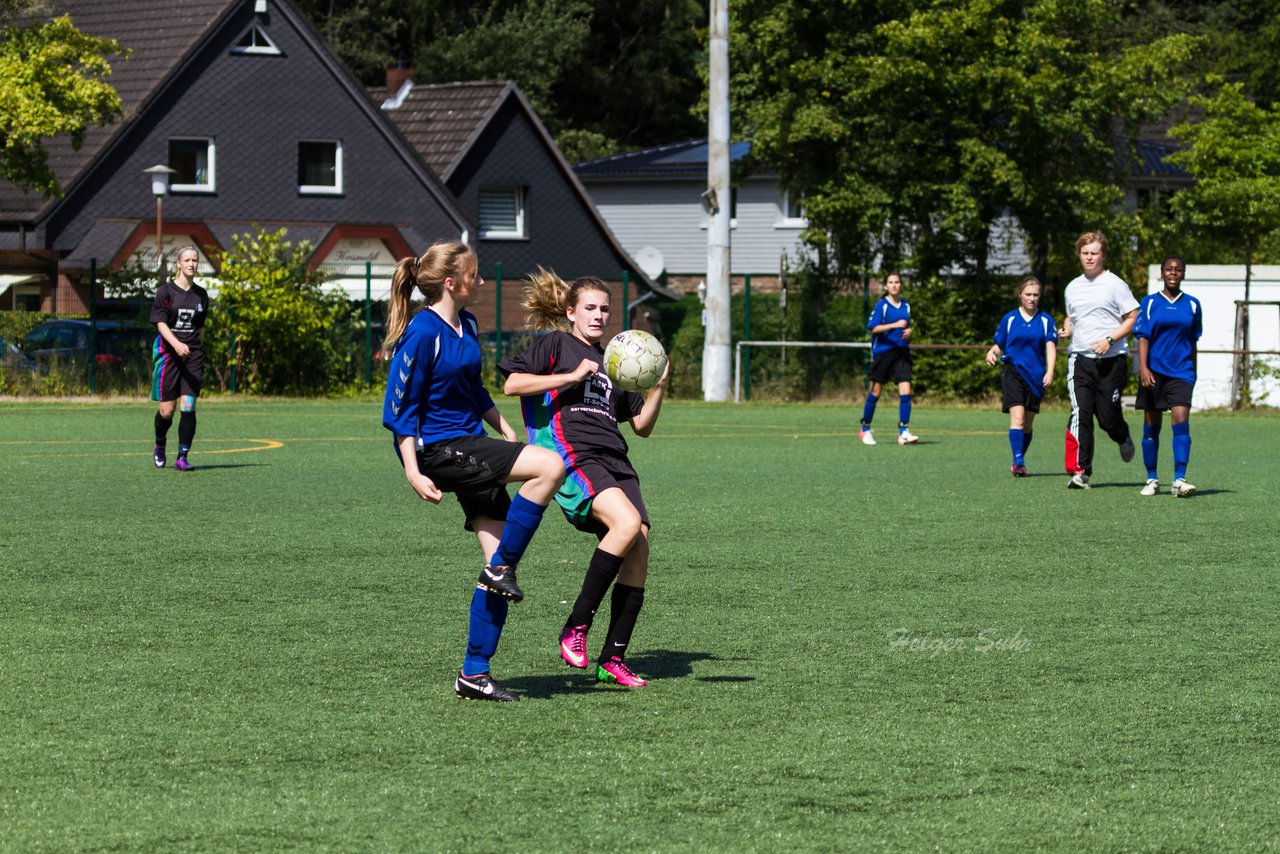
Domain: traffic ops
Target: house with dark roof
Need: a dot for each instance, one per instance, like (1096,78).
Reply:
(264,127)
(486,143)
(652,199)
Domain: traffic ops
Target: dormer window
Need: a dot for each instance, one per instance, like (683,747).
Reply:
(255,40)
(194,165)
(320,167)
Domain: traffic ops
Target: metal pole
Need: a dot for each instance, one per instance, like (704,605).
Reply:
(93,326)
(716,355)
(368,323)
(159,230)
(497,310)
(746,336)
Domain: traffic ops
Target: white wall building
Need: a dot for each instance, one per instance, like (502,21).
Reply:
(652,198)
(1218,286)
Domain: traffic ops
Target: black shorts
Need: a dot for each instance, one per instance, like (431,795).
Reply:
(892,365)
(173,376)
(590,478)
(475,470)
(1167,393)
(1014,391)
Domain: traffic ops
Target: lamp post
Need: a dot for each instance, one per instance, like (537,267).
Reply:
(160,188)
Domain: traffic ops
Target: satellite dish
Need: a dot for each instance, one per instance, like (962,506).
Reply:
(650,261)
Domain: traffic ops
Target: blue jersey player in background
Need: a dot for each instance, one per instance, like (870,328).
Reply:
(1168,326)
(436,407)
(1026,341)
(890,328)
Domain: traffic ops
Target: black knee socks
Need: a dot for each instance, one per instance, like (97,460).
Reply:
(162,428)
(601,572)
(627,602)
(186,432)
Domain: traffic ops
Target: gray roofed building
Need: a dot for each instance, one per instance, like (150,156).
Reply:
(492,151)
(266,127)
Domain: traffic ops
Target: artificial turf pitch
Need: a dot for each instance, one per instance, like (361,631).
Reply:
(849,647)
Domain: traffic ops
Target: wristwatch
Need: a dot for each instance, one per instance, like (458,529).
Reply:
(1110,341)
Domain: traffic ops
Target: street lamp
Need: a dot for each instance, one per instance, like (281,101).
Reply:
(160,188)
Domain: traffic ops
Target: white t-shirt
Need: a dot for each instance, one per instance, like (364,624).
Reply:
(1095,307)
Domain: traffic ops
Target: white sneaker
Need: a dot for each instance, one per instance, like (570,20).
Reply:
(1078,481)
(865,437)
(1181,489)
(1152,487)
(906,437)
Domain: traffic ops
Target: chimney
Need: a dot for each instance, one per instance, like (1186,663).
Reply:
(397,76)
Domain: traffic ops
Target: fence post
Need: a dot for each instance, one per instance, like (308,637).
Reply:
(746,336)
(497,311)
(93,326)
(626,301)
(231,351)
(368,323)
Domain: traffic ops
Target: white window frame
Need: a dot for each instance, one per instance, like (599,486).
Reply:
(323,189)
(521,230)
(267,49)
(211,167)
(785,221)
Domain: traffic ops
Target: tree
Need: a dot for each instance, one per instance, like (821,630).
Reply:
(1233,151)
(603,76)
(53,81)
(910,126)
(272,323)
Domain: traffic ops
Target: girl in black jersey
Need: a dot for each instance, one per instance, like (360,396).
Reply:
(571,405)
(178,311)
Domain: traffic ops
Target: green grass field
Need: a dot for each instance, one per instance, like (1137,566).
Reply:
(850,648)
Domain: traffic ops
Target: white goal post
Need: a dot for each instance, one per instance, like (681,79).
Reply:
(737,355)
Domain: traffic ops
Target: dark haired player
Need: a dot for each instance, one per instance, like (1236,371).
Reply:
(1168,326)
(178,311)
(890,328)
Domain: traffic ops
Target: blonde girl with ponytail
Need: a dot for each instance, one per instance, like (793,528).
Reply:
(437,407)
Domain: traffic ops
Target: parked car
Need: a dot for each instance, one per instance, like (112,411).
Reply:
(10,355)
(117,342)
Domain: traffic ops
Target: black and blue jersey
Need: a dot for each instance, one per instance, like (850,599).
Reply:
(886,312)
(434,390)
(1172,327)
(1022,344)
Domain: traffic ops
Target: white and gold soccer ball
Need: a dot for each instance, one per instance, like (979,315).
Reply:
(634,360)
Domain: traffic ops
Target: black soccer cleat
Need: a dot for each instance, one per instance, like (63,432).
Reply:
(482,687)
(500,580)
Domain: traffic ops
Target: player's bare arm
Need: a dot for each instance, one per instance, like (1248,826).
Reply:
(523,384)
(421,484)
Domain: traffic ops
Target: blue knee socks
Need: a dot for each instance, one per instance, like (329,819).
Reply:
(488,614)
(869,409)
(1151,448)
(904,411)
(522,520)
(489,610)
(1026,441)
(1181,449)
(1018,445)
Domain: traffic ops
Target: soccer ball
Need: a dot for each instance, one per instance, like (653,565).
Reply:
(634,360)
